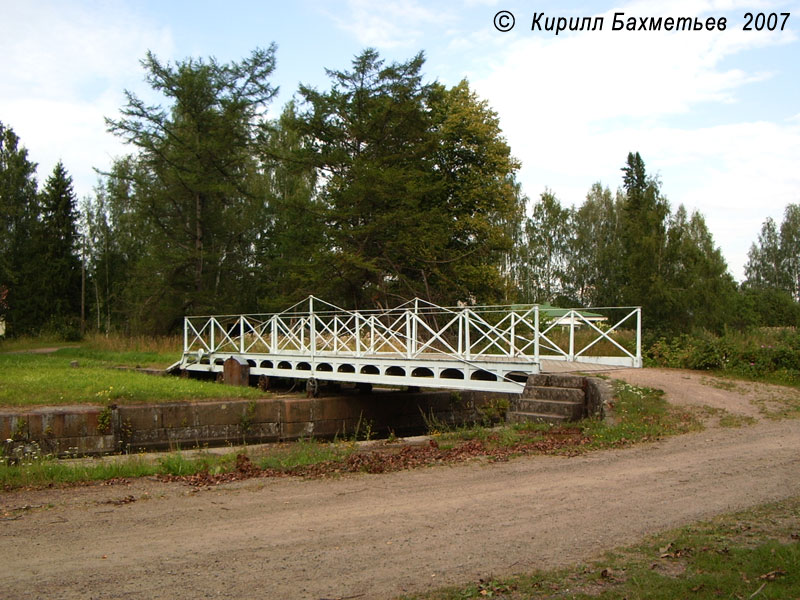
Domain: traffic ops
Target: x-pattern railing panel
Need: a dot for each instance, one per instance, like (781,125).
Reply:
(606,335)
(196,336)
(291,334)
(225,342)
(256,330)
(437,335)
(550,344)
(388,334)
(489,335)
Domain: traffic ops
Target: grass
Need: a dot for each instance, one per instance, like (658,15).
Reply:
(48,379)
(37,470)
(25,343)
(639,414)
(747,555)
(113,350)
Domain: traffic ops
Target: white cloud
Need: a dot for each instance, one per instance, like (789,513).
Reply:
(64,68)
(390,24)
(573,106)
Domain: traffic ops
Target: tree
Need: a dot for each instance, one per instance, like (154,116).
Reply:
(194,185)
(18,213)
(546,248)
(771,288)
(790,250)
(59,264)
(644,214)
(700,291)
(479,200)
(291,238)
(418,186)
(764,260)
(116,240)
(368,138)
(595,268)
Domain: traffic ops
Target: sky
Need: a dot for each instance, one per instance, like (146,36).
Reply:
(714,114)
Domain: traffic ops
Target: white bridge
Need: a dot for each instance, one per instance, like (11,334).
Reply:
(419,344)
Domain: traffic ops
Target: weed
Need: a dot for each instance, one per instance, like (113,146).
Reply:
(433,425)
(366,425)
(104,420)
(248,417)
(735,421)
(303,453)
(767,354)
(20,430)
(125,435)
(494,411)
(720,384)
(779,404)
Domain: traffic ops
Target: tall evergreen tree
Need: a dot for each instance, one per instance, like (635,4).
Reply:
(478,200)
(644,214)
(194,185)
(369,136)
(700,291)
(290,238)
(418,186)
(19,211)
(59,262)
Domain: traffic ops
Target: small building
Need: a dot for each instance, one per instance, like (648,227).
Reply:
(565,317)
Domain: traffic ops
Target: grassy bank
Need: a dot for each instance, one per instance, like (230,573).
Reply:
(641,414)
(28,379)
(750,554)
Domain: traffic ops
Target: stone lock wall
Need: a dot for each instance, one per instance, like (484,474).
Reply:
(90,430)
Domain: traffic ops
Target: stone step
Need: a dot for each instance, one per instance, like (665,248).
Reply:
(561,394)
(569,410)
(531,417)
(555,380)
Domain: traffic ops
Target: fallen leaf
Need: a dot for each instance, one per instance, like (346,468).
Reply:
(773,575)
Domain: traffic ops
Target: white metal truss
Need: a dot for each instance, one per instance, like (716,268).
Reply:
(490,348)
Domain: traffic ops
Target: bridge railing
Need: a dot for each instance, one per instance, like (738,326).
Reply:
(521,333)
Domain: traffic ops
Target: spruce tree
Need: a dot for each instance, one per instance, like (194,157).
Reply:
(18,217)
(58,266)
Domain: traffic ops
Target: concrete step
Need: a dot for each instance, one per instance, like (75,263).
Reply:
(531,417)
(569,410)
(560,394)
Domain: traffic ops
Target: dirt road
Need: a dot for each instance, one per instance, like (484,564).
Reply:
(377,536)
